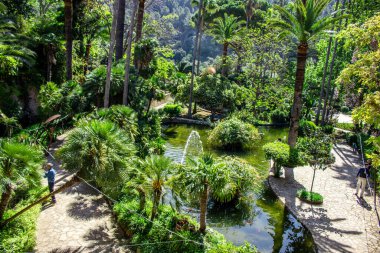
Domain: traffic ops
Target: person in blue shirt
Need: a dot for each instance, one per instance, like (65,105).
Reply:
(50,175)
(362,175)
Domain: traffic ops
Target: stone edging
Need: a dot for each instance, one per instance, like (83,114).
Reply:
(292,211)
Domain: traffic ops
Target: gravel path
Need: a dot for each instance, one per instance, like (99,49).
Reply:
(340,224)
(81,221)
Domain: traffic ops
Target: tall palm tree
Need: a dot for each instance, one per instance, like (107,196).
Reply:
(304,24)
(69,38)
(19,164)
(202,175)
(99,151)
(224,30)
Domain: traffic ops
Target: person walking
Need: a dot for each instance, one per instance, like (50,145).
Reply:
(362,175)
(50,175)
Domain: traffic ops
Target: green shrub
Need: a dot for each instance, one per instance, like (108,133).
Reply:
(328,129)
(173,110)
(279,116)
(307,128)
(346,126)
(234,134)
(279,153)
(311,197)
(345,109)
(141,230)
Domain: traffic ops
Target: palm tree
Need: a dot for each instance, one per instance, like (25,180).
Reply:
(19,164)
(69,38)
(224,30)
(153,177)
(99,151)
(304,24)
(119,47)
(202,175)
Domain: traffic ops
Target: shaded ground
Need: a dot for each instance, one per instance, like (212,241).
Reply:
(341,223)
(81,221)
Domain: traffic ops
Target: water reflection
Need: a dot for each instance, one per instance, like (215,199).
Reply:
(264,222)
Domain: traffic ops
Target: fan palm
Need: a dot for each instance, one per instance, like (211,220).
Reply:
(153,176)
(203,175)
(100,151)
(19,164)
(11,47)
(304,24)
(224,30)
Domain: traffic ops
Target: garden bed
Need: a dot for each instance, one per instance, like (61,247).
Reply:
(310,197)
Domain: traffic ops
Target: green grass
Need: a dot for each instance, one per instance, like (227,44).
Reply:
(311,197)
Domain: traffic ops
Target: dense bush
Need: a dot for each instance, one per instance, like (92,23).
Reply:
(279,116)
(279,153)
(345,109)
(328,129)
(141,230)
(346,126)
(234,134)
(307,128)
(172,110)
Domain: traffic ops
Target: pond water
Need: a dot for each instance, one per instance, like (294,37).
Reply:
(265,222)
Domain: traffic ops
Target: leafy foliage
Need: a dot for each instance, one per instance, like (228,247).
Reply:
(233,134)
(279,152)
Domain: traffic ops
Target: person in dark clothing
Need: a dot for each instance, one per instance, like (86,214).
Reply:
(50,175)
(362,175)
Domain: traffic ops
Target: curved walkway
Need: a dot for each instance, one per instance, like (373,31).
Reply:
(341,224)
(81,221)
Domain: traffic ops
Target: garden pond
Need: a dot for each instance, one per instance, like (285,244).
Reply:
(266,223)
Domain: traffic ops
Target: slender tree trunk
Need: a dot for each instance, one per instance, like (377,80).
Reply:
(203,207)
(87,57)
(74,180)
(140,20)
(224,58)
(199,49)
(298,88)
(139,28)
(189,115)
(5,197)
(328,88)
(129,49)
(321,95)
(69,38)
(156,202)
(119,48)
(110,54)
(312,184)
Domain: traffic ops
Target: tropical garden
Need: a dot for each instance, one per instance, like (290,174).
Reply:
(176,111)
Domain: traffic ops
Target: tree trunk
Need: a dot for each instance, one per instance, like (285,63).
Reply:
(120,31)
(74,180)
(69,38)
(140,20)
(156,202)
(199,49)
(298,88)
(129,49)
(142,196)
(224,58)
(110,55)
(87,57)
(322,93)
(203,207)
(189,115)
(312,184)
(5,197)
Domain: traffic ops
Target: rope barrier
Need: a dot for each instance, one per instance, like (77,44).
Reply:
(132,211)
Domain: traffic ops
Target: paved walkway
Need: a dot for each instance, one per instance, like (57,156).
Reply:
(340,224)
(81,221)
